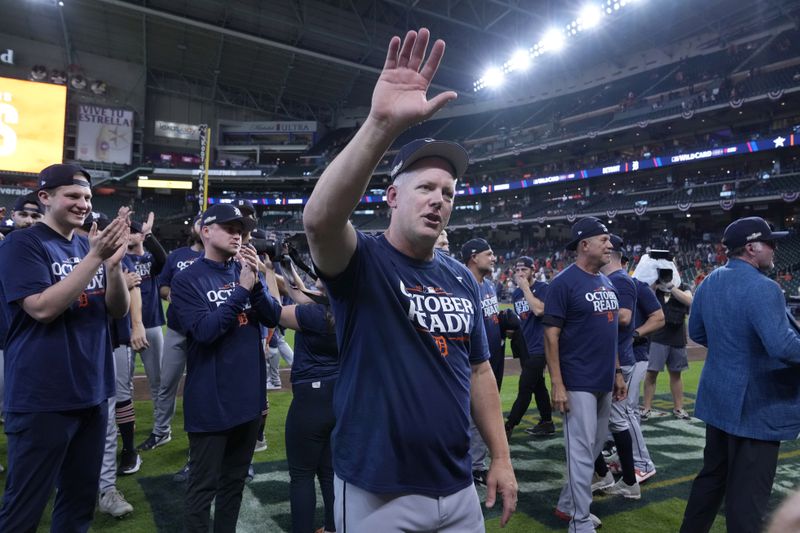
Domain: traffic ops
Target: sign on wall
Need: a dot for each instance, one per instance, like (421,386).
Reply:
(105,134)
(31,125)
(175,130)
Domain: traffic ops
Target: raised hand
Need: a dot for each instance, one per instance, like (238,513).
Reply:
(147,227)
(249,260)
(400,96)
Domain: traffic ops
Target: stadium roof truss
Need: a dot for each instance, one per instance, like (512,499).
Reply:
(303,59)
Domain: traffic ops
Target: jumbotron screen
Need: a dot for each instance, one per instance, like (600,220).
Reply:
(31,125)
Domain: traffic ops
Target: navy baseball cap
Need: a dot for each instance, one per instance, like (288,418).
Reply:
(525,261)
(453,153)
(28,199)
(102,221)
(246,206)
(58,175)
(585,228)
(473,246)
(749,229)
(618,245)
(222,213)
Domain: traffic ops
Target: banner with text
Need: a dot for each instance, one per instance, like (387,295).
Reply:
(105,134)
(175,130)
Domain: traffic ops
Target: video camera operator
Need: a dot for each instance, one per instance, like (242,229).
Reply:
(667,345)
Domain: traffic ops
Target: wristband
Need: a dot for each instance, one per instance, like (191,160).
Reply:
(618,371)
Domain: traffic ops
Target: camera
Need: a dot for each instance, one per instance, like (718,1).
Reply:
(661,254)
(664,275)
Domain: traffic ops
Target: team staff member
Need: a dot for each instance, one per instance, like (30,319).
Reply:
(749,389)
(401,441)
(221,302)
(173,357)
(27,211)
(58,289)
(477,254)
(529,305)
(310,420)
(581,318)
(649,317)
(147,255)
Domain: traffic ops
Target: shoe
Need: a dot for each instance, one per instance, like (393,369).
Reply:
(509,431)
(632,492)
(609,449)
(561,515)
(129,462)
(251,473)
(114,503)
(682,414)
(542,429)
(261,445)
(642,476)
(479,477)
(600,483)
(644,414)
(273,386)
(182,475)
(154,441)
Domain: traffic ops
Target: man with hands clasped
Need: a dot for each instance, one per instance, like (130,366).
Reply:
(221,302)
(58,289)
(401,442)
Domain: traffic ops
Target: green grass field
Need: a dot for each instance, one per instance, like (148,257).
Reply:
(539,465)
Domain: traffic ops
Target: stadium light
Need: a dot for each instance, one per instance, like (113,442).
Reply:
(493,77)
(553,40)
(521,60)
(590,17)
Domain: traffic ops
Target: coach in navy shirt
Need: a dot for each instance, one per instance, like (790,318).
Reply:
(581,317)
(408,323)
(58,289)
(221,302)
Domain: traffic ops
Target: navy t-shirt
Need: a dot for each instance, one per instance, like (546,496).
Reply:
(178,260)
(532,328)
(66,364)
(225,365)
(491,319)
(408,333)
(626,291)
(589,307)
(152,312)
(121,327)
(316,355)
(646,304)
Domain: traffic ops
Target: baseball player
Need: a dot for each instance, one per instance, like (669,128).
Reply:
(529,299)
(221,302)
(58,289)
(581,318)
(27,211)
(173,360)
(479,258)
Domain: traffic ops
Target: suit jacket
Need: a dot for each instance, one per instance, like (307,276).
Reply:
(750,384)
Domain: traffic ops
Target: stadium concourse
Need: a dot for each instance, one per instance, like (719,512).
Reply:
(642,128)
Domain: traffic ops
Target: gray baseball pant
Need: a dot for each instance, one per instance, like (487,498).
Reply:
(173,363)
(585,428)
(641,456)
(357,510)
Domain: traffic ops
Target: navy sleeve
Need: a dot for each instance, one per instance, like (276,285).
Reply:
(647,300)
(25,268)
(205,325)
(312,318)
(540,290)
(152,245)
(557,301)
(267,308)
(165,278)
(343,285)
(478,344)
(627,294)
